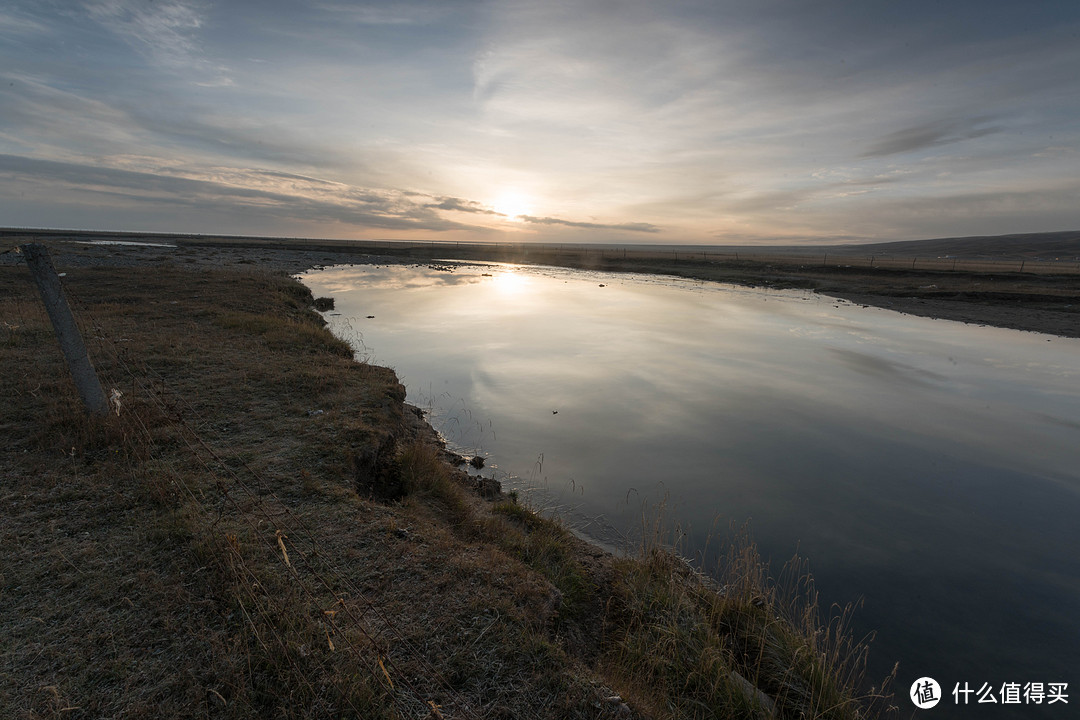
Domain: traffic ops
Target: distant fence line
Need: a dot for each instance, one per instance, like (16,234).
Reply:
(539,252)
(511,252)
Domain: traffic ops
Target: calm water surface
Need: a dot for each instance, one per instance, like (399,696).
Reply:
(929,467)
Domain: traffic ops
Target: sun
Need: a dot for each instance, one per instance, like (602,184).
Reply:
(513,204)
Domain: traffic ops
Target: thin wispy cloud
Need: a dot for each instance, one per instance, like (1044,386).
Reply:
(212,189)
(627,227)
(465,206)
(14,25)
(930,135)
(161,29)
(396,13)
(166,31)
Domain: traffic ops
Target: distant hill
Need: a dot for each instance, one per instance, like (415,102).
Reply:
(1065,244)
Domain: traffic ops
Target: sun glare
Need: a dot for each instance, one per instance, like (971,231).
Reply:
(513,204)
(510,283)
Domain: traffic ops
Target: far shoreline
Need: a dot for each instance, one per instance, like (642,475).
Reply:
(970,290)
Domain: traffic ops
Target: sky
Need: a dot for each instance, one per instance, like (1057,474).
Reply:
(629,121)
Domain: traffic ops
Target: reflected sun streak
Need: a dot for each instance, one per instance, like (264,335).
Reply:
(509,283)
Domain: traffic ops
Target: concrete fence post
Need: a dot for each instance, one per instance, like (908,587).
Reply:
(67,332)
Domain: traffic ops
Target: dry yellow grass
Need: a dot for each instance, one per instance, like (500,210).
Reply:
(265,531)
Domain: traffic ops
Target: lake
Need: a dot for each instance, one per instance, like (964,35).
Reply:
(929,467)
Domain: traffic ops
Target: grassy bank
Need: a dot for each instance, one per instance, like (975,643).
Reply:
(266,530)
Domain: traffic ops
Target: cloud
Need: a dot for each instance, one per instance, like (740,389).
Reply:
(1030,207)
(629,227)
(247,138)
(18,25)
(41,113)
(164,31)
(466,206)
(917,212)
(928,135)
(397,13)
(281,195)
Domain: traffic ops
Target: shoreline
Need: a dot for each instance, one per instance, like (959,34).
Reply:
(1048,304)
